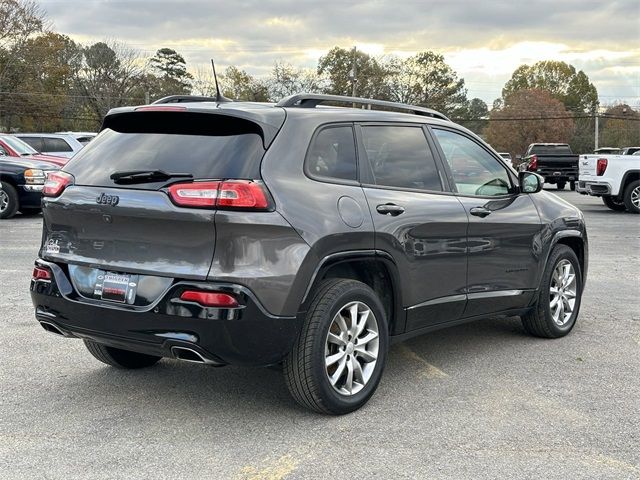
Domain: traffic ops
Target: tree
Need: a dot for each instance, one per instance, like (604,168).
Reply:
(285,80)
(620,127)
(168,74)
(528,116)
(336,67)
(560,79)
(474,115)
(110,76)
(239,85)
(426,79)
(47,66)
(19,19)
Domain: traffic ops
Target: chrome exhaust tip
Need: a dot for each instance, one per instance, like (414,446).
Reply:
(189,355)
(51,328)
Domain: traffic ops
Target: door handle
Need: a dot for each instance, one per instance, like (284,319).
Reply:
(390,209)
(480,212)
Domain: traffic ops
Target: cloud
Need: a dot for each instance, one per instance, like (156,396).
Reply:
(483,40)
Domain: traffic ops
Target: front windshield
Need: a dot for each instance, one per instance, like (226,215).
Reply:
(19,146)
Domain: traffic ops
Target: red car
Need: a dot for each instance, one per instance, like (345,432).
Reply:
(11,146)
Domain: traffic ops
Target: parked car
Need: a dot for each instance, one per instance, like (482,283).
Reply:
(264,234)
(507,158)
(553,161)
(607,151)
(52,143)
(82,137)
(615,178)
(629,150)
(21,183)
(11,146)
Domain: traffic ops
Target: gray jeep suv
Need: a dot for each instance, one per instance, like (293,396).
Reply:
(296,234)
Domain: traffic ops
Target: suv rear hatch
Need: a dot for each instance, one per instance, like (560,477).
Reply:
(144,222)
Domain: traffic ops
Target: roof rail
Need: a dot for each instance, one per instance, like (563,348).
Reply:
(187,98)
(311,100)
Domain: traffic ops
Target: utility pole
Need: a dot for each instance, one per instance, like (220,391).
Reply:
(353,75)
(596,132)
(147,100)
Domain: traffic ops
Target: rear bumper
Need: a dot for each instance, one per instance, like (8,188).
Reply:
(551,177)
(597,188)
(246,335)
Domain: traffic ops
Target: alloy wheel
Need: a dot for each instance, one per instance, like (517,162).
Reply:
(562,293)
(4,200)
(351,348)
(635,196)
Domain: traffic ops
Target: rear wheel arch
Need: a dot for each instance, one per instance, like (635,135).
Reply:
(375,270)
(630,176)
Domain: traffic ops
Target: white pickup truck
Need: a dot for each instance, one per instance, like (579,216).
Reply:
(615,178)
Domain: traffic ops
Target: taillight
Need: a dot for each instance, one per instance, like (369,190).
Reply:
(40,273)
(243,194)
(55,183)
(533,164)
(210,299)
(197,194)
(601,166)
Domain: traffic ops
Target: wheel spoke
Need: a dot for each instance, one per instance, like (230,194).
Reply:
(353,316)
(342,325)
(554,301)
(335,339)
(570,294)
(331,359)
(358,374)
(339,371)
(364,354)
(362,322)
(348,383)
(367,338)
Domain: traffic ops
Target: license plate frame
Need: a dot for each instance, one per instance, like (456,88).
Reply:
(116,287)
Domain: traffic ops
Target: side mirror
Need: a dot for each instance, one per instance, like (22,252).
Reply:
(530,182)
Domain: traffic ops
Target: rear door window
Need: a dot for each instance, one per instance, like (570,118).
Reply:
(35,142)
(207,146)
(400,157)
(56,145)
(332,154)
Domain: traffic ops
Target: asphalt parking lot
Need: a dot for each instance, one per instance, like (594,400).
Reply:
(482,400)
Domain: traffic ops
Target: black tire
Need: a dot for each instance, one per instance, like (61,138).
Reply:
(631,193)
(304,368)
(614,203)
(539,322)
(572,186)
(119,358)
(9,201)
(561,185)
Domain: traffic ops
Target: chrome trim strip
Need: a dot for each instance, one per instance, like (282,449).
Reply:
(469,296)
(437,301)
(497,293)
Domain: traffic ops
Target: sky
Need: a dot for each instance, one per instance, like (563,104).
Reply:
(484,40)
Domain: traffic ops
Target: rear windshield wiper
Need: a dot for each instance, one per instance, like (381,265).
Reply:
(142,176)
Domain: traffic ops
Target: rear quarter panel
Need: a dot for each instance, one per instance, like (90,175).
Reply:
(311,206)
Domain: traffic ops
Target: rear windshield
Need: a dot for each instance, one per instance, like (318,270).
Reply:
(204,145)
(551,150)
(21,147)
